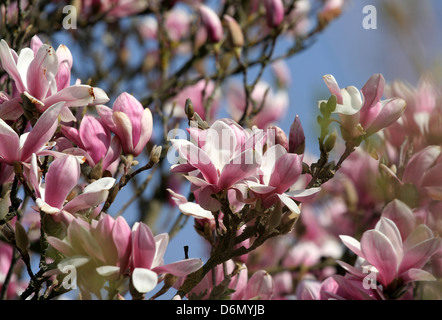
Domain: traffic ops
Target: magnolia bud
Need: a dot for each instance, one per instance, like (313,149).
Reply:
(329,143)
(276,133)
(296,137)
(188,108)
(274,12)
(235,32)
(212,23)
(155,154)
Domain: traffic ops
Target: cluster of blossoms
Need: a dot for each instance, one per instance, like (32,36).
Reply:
(70,168)
(360,221)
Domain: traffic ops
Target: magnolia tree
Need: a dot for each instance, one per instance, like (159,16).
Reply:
(161,108)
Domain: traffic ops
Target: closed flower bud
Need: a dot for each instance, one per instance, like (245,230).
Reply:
(296,137)
(274,12)
(212,23)
(235,32)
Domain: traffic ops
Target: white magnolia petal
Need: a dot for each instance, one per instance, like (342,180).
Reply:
(144,280)
(289,203)
(195,210)
(107,271)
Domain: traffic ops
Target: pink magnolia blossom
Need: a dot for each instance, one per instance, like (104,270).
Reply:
(363,113)
(278,174)
(129,121)
(221,158)
(421,119)
(100,251)
(393,259)
(94,141)
(61,179)
(423,174)
(42,74)
(147,259)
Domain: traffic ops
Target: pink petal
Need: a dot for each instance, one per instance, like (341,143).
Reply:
(197,158)
(379,251)
(391,111)
(9,144)
(42,132)
(61,178)
(240,167)
(260,286)
(121,235)
(180,268)
(41,72)
(78,95)
(123,129)
(419,163)
(333,86)
(145,131)
(10,66)
(287,170)
(95,138)
(143,246)
(402,216)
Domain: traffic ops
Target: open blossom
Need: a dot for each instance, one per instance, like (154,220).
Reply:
(363,113)
(129,121)
(394,258)
(221,158)
(278,173)
(61,179)
(42,74)
(147,259)
(421,176)
(107,249)
(99,251)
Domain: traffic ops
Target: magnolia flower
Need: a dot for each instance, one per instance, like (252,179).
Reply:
(421,177)
(99,251)
(278,172)
(42,76)
(147,259)
(363,113)
(60,180)
(129,121)
(221,157)
(393,260)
